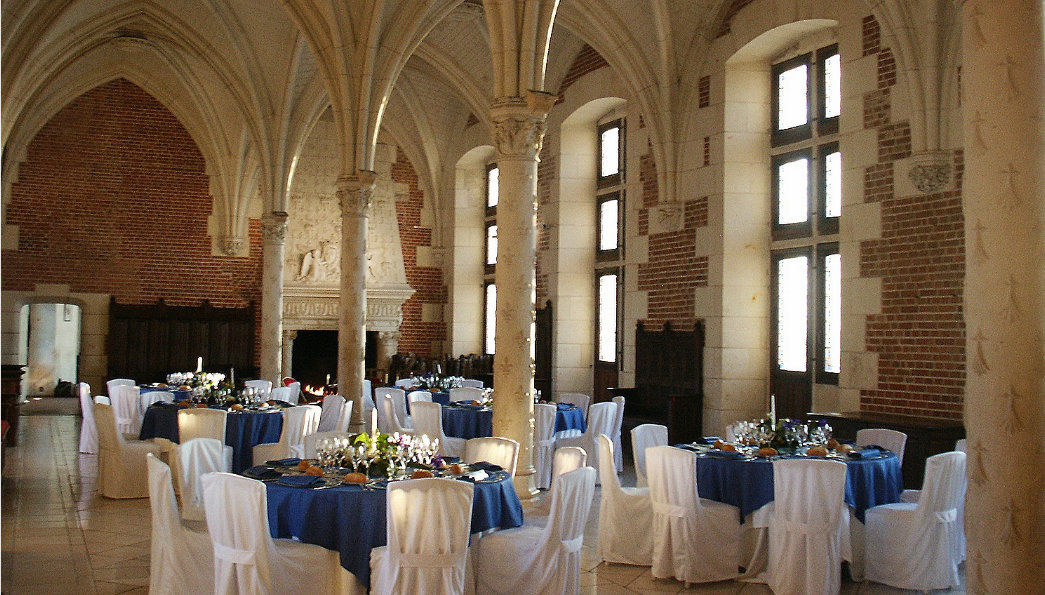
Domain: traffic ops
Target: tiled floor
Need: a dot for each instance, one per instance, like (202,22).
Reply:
(60,537)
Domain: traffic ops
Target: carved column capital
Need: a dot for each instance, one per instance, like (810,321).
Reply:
(388,335)
(274,227)
(289,335)
(519,124)
(232,245)
(355,193)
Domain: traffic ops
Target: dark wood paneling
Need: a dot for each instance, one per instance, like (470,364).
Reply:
(542,374)
(147,342)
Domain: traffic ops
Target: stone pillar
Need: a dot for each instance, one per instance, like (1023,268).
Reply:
(387,346)
(273,235)
(519,132)
(354,193)
(1003,91)
(288,351)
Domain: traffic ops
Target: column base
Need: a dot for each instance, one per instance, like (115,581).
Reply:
(525,486)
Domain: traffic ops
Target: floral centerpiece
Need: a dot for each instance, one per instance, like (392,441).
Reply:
(209,387)
(783,433)
(437,382)
(379,454)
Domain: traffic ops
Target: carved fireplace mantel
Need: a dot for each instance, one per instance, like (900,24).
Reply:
(317,308)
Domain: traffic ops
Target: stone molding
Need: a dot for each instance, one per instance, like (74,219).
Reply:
(318,308)
(274,227)
(928,172)
(233,245)
(519,125)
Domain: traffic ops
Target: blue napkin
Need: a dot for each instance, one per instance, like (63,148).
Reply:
(869,452)
(563,406)
(290,462)
(724,454)
(484,466)
(303,481)
(262,472)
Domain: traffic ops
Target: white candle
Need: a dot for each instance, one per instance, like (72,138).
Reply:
(772,409)
(328,380)
(373,422)
(232,373)
(199,364)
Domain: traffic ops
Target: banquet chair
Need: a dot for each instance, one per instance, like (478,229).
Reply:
(809,530)
(642,437)
(103,400)
(312,441)
(88,431)
(566,459)
(625,516)
(246,559)
(914,545)
(181,560)
(345,417)
(543,444)
(579,400)
(331,413)
(192,459)
(535,559)
(618,457)
(417,560)
(392,417)
(126,407)
(298,422)
(493,449)
(368,407)
(471,383)
(121,462)
(295,392)
(890,439)
(419,395)
(601,417)
(154,396)
(263,387)
(111,385)
(399,402)
(695,540)
(283,393)
(368,390)
(428,420)
(202,423)
(465,393)
(959,446)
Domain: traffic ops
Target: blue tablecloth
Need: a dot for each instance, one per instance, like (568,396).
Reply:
(441,398)
(179,395)
(473,421)
(351,520)
(243,431)
(748,484)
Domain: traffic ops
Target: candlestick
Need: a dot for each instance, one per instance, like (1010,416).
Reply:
(328,380)
(199,364)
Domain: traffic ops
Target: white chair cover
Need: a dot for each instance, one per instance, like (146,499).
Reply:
(695,540)
(298,422)
(419,395)
(328,419)
(601,417)
(345,418)
(181,560)
(808,534)
(534,559)
(625,516)
(959,446)
(103,400)
(263,387)
(111,385)
(429,556)
(392,416)
(202,423)
(890,439)
(283,393)
(471,383)
(493,449)
(567,458)
(121,462)
(398,401)
(915,545)
(368,390)
(404,383)
(295,391)
(543,444)
(466,393)
(642,437)
(618,457)
(246,558)
(312,440)
(88,431)
(368,409)
(194,458)
(155,396)
(428,420)
(126,406)
(577,399)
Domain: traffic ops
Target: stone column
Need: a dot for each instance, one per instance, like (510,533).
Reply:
(288,351)
(387,346)
(519,132)
(1003,94)
(273,235)
(354,193)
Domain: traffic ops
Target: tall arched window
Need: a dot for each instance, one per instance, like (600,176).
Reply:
(609,252)
(490,260)
(806,193)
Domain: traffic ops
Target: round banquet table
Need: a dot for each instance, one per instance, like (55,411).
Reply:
(747,483)
(177,393)
(474,421)
(243,430)
(351,520)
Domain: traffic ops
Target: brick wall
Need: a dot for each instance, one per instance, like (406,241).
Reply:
(547,178)
(587,60)
(920,334)
(113,198)
(417,336)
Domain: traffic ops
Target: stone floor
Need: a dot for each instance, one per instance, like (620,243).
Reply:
(60,537)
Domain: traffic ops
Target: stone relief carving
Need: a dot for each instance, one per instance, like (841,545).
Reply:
(930,177)
(232,245)
(314,247)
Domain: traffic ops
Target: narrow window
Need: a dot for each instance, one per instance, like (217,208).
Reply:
(792,317)
(491,186)
(491,244)
(490,317)
(793,89)
(830,331)
(607,319)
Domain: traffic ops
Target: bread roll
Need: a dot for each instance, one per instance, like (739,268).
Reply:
(767,452)
(817,451)
(727,447)
(313,470)
(421,474)
(355,478)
